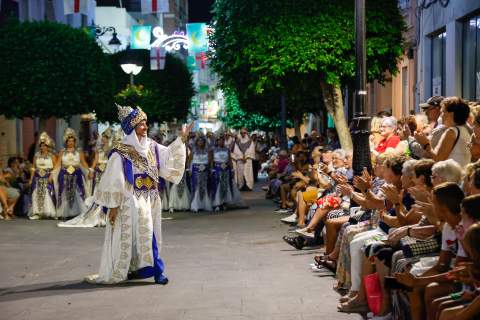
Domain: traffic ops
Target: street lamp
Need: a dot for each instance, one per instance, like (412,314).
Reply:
(360,125)
(100,31)
(131,69)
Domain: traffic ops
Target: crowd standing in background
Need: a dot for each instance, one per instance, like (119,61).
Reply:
(402,240)
(61,186)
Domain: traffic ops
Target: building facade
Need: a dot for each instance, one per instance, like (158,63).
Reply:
(449,49)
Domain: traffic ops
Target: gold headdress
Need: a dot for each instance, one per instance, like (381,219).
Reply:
(46,140)
(107,132)
(69,133)
(129,117)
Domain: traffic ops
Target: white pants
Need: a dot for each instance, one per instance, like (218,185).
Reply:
(356,256)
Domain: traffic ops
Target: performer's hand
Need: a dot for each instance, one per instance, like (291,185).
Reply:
(112,216)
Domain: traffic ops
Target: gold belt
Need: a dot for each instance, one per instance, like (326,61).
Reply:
(42,173)
(146,182)
(70,169)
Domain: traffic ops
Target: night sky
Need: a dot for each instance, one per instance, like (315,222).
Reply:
(199,10)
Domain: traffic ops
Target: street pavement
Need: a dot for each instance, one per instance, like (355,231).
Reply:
(232,265)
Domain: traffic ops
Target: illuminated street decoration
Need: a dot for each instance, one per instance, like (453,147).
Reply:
(141,36)
(197,34)
(176,41)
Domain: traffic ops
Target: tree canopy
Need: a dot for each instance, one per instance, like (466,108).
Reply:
(52,70)
(165,95)
(261,47)
(238,118)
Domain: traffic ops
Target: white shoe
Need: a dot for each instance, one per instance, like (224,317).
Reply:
(34,217)
(92,279)
(303,232)
(320,269)
(282,211)
(290,219)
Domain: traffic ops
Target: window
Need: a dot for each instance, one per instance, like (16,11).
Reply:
(471,59)
(438,64)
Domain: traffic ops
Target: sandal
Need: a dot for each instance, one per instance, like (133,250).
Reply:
(347,297)
(339,286)
(352,306)
(319,259)
(330,265)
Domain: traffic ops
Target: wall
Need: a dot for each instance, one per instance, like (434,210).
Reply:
(432,20)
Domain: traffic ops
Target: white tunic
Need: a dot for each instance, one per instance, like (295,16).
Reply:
(200,197)
(42,202)
(242,155)
(128,244)
(71,160)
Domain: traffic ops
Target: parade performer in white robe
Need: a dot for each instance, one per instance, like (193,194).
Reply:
(224,190)
(71,178)
(242,155)
(93,216)
(129,192)
(229,140)
(200,160)
(41,181)
(179,195)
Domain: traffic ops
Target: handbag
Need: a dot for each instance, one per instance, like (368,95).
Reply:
(413,247)
(373,292)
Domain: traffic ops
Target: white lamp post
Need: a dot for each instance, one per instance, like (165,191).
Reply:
(131,69)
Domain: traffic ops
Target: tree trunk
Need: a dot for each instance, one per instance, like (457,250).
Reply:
(332,97)
(297,123)
(283,118)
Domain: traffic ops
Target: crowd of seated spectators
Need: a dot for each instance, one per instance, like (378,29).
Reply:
(14,187)
(402,238)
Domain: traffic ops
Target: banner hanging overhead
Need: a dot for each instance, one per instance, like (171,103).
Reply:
(197,38)
(157,58)
(140,37)
(152,6)
(75,6)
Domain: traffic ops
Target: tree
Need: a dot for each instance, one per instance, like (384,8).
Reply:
(165,95)
(238,118)
(52,70)
(304,48)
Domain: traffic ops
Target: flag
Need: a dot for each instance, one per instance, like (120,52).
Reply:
(75,6)
(197,38)
(151,6)
(157,58)
(140,37)
(202,59)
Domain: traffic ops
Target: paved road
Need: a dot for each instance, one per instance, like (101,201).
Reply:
(225,266)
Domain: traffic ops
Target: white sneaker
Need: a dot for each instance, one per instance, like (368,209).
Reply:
(320,269)
(290,219)
(34,217)
(303,232)
(281,211)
